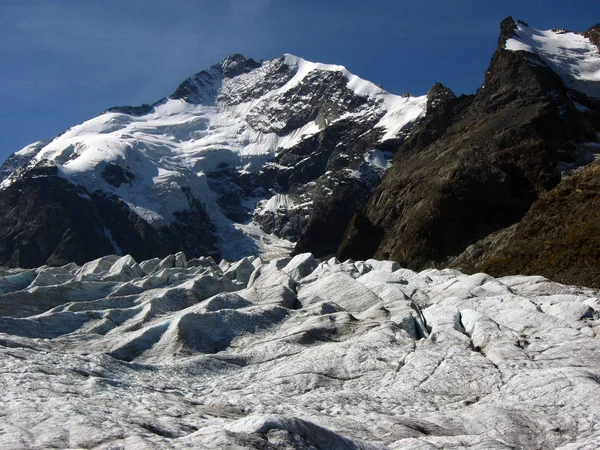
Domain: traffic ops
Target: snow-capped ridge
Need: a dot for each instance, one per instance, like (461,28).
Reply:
(400,110)
(571,55)
(356,84)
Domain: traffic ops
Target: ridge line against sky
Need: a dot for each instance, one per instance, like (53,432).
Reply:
(65,61)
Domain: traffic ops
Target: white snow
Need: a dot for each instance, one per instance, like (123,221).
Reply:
(283,201)
(401,112)
(355,83)
(580,107)
(298,135)
(30,149)
(570,55)
(248,239)
(115,246)
(379,159)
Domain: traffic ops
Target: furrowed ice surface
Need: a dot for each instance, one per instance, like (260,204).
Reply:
(572,56)
(238,114)
(294,353)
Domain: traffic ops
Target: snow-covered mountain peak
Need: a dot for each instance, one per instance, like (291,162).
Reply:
(232,135)
(571,55)
(223,107)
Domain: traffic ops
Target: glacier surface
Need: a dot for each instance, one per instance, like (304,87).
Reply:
(294,353)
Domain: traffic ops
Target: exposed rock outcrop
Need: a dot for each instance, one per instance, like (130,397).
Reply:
(48,220)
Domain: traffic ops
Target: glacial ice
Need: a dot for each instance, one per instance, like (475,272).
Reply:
(294,353)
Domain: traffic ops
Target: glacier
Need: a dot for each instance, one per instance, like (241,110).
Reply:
(294,353)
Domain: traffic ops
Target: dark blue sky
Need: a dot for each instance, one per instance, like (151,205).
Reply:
(62,62)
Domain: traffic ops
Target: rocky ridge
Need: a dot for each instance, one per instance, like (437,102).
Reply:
(558,237)
(294,353)
(476,165)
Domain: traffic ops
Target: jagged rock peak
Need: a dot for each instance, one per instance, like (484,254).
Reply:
(236,64)
(438,95)
(202,88)
(508,29)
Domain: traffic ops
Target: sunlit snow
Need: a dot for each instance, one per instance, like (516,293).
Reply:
(570,55)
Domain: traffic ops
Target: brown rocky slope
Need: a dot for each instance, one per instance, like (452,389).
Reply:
(475,166)
(559,237)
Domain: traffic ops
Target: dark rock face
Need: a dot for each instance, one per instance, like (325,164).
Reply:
(474,165)
(558,238)
(593,34)
(132,110)
(331,171)
(285,223)
(330,216)
(48,220)
(322,96)
(45,219)
(116,175)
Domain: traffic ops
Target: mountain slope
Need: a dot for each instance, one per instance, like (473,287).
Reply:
(229,142)
(478,165)
(559,237)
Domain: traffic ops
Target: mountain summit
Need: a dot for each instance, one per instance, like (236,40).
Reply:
(470,173)
(239,146)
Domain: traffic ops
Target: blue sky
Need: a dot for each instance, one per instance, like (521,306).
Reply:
(62,62)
